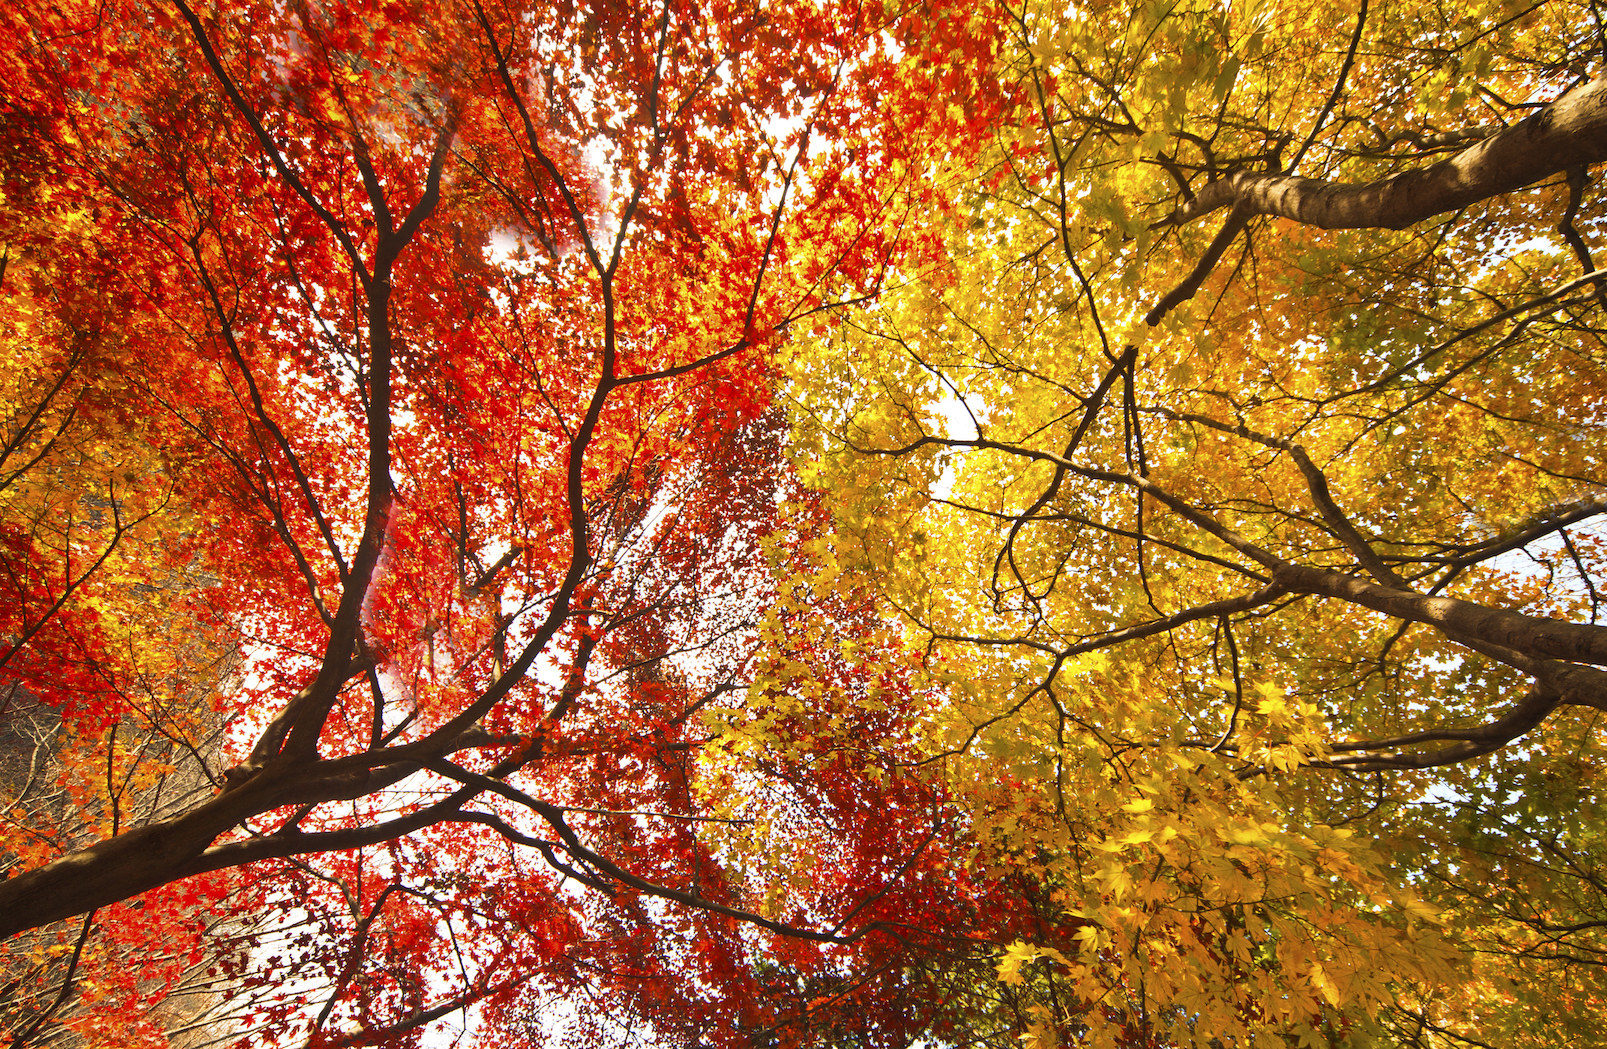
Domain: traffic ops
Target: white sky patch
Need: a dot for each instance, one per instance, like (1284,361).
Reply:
(959,419)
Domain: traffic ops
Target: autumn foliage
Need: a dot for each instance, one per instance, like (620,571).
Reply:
(798,523)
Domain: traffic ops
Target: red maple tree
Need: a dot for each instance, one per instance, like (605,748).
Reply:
(408,370)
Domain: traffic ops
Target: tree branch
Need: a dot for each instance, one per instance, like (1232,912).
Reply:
(1571,132)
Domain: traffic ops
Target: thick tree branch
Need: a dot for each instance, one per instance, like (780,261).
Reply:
(1569,133)
(1531,635)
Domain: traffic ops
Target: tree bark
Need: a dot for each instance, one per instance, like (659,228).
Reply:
(1531,635)
(116,868)
(180,846)
(1571,132)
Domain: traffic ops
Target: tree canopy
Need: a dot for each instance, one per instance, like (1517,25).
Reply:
(802,523)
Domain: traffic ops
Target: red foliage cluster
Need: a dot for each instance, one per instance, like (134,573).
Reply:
(430,347)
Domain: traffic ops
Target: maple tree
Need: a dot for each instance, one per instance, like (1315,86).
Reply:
(1238,471)
(1160,609)
(387,464)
